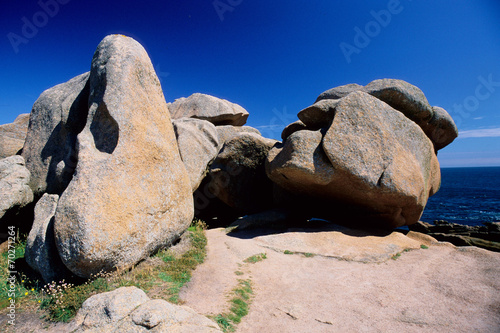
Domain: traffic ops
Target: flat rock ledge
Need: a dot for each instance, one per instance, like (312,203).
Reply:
(344,280)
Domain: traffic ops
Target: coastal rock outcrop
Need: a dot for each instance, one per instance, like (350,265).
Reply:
(12,136)
(57,117)
(486,236)
(130,194)
(129,309)
(371,158)
(390,164)
(14,190)
(215,110)
(198,145)
(125,170)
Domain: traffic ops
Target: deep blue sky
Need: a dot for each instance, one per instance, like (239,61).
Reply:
(273,57)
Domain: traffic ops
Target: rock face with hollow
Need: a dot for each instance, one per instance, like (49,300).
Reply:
(237,175)
(130,194)
(12,135)
(58,115)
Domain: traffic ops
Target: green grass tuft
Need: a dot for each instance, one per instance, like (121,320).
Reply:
(239,307)
(396,256)
(62,300)
(224,323)
(256,258)
(22,288)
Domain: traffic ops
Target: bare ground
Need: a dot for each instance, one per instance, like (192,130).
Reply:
(350,281)
(351,284)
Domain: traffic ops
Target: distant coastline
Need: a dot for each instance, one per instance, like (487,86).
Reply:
(470,167)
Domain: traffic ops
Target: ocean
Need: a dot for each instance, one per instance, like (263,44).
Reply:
(468,196)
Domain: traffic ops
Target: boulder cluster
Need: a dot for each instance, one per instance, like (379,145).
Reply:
(117,173)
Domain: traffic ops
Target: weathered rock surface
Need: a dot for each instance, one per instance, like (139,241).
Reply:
(436,123)
(442,129)
(376,161)
(291,128)
(300,162)
(58,115)
(215,110)
(390,164)
(130,194)
(399,94)
(237,175)
(41,251)
(366,246)
(15,192)
(227,132)
(109,307)
(128,309)
(320,114)
(12,136)
(206,203)
(404,97)
(198,146)
(339,92)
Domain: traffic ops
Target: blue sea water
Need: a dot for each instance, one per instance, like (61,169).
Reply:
(468,196)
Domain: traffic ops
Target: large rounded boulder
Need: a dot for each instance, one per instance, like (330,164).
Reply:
(372,163)
(216,110)
(130,194)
